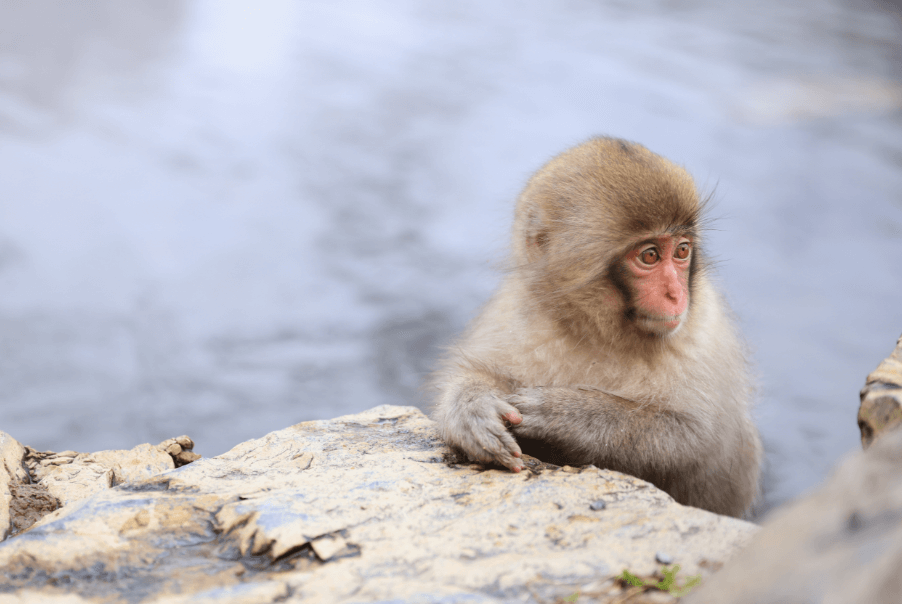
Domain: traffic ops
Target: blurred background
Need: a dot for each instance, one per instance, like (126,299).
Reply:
(221,218)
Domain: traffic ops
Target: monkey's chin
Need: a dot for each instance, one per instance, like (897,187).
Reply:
(663,327)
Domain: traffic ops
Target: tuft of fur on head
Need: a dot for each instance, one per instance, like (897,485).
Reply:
(581,212)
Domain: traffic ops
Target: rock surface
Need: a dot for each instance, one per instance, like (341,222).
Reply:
(35,483)
(840,545)
(361,508)
(71,476)
(881,398)
(11,472)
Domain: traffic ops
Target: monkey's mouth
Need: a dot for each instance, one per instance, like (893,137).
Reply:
(662,325)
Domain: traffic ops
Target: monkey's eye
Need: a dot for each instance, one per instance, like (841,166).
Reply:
(649,256)
(682,251)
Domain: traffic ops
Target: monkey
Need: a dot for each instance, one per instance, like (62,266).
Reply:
(607,342)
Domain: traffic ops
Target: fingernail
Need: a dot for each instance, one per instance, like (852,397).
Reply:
(516,454)
(515,469)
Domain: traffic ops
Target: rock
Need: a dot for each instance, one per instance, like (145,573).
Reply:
(361,508)
(136,464)
(72,478)
(180,449)
(29,504)
(842,544)
(34,484)
(881,398)
(11,471)
(74,481)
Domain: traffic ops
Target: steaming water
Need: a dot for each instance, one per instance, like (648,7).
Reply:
(223,218)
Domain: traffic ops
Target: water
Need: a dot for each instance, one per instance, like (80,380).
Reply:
(222,219)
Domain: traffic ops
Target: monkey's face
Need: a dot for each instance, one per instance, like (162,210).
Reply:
(656,270)
(606,236)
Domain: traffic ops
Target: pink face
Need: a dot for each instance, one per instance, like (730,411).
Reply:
(659,267)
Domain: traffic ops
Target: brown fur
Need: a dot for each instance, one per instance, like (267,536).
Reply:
(558,343)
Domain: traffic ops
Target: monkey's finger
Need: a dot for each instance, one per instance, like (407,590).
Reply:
(507,451)
(490,442)
(531,426)
(513,417)
(508,412)
(514,464)
(497,453)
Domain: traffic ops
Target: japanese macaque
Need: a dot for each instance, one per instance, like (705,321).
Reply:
(607,343)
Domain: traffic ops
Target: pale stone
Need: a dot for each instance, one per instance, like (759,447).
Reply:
(327,547)
(263,592)
(139,463)
(70,479)
(28,596)
(11,455)
(361,508)
(74,481)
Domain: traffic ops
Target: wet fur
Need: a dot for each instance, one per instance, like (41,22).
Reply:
(558,340)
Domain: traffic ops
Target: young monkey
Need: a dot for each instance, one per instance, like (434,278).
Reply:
(607,343)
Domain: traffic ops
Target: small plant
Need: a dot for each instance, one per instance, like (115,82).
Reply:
(668,583)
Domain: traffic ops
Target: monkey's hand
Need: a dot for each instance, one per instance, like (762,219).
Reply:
(531,404)
(598,427)
(479,429)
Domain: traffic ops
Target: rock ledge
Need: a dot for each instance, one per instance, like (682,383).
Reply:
(361,508)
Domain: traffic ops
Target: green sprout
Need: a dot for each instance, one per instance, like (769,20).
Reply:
(668,583)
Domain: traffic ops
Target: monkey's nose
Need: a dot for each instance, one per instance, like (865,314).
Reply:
(675,299)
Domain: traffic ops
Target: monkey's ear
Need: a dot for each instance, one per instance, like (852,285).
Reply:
(536,236)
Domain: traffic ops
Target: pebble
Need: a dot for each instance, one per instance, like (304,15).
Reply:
(664,558)
(598,505)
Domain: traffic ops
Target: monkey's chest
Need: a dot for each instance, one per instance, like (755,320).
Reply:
(597,371)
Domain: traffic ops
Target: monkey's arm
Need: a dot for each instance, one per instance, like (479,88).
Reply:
(610,431)
(471,414)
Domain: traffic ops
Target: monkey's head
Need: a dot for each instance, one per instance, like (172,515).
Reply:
(607,234)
